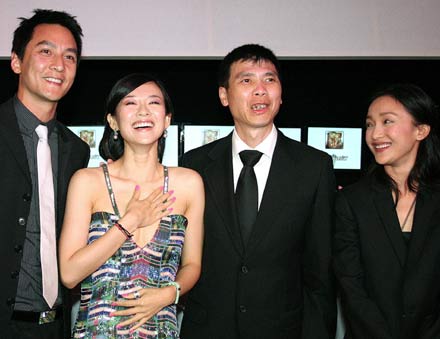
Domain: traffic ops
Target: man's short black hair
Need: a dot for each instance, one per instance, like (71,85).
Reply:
(23,33)
(247,52)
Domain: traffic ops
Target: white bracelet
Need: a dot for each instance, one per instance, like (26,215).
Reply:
(177,286)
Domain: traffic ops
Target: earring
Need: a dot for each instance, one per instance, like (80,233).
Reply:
(165,134)
(115,135)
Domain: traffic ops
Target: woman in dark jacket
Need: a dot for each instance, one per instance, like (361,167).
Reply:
(387,238)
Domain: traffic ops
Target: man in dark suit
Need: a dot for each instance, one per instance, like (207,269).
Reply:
(45,54)
(271,277)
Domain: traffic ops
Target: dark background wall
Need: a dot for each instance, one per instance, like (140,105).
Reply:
(316,92)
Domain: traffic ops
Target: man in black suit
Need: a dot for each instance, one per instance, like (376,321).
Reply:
(45,53)
(272,278)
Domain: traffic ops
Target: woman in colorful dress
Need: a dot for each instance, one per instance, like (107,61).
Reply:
(133,229)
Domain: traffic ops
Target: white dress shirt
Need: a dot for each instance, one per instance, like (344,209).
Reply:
(262,168)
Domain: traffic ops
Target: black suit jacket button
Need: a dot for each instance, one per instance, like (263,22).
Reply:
(14,274)
(242,309)
(244,269)
(10,301)
(27,197)
(21,221)
(18,248)
(403,315)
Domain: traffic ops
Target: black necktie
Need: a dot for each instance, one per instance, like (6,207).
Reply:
(246,194)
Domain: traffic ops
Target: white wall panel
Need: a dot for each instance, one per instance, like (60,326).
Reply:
(207,28)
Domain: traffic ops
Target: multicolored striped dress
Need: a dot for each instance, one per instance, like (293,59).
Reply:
(131,268)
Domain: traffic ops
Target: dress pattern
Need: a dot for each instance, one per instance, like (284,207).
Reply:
(131,268)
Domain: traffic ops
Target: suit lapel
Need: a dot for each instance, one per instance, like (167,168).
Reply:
(384,205)
(64,152)
(12,137)
(270,206)
(424,221)
(219,178)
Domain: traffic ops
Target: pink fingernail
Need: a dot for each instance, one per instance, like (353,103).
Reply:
(137,187)
(170,209)
(173,199)
(171,192)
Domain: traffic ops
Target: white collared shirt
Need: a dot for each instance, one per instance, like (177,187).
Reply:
(262,168)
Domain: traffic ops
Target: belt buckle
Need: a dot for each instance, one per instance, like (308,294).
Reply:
(47,317)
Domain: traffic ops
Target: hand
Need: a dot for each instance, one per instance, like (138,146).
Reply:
(149,302)
(145,212)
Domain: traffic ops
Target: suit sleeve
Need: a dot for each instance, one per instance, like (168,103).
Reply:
(432,330)
(86,157)
(363,317)
(192,160)
(319,320)
(184,160)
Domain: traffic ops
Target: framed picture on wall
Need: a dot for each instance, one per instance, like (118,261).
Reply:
(342,144)
(199,135)
(92,135)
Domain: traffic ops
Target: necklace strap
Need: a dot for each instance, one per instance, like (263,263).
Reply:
(408,214)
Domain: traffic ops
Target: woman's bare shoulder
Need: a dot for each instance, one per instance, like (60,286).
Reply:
(184,174)
(88,176)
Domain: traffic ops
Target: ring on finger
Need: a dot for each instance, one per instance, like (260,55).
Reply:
(136,294)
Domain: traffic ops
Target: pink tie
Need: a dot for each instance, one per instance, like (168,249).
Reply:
(49,268)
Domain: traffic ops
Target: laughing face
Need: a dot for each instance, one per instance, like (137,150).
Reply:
(141,115)
(392,134)
(48,67)
(253,95)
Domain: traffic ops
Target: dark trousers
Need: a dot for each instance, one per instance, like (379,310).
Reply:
(32,330)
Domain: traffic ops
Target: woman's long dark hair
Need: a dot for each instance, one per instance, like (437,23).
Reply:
(425,174)
(109,148)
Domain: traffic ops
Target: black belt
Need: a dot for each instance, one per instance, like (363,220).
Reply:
(38,317)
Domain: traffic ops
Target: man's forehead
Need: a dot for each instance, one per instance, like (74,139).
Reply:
(251,64)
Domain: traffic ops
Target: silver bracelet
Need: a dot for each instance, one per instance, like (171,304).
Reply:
(177,286)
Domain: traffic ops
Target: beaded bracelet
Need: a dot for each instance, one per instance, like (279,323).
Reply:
(124,230)
(177,286)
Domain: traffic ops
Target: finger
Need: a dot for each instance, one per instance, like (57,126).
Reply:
(162,206)
(155,195)
(132,319)
(165,212)
(166,196)
(131,299)
(168,202)
(140,323)
(135,295)
(127,311)
(125,303)
(136,193)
